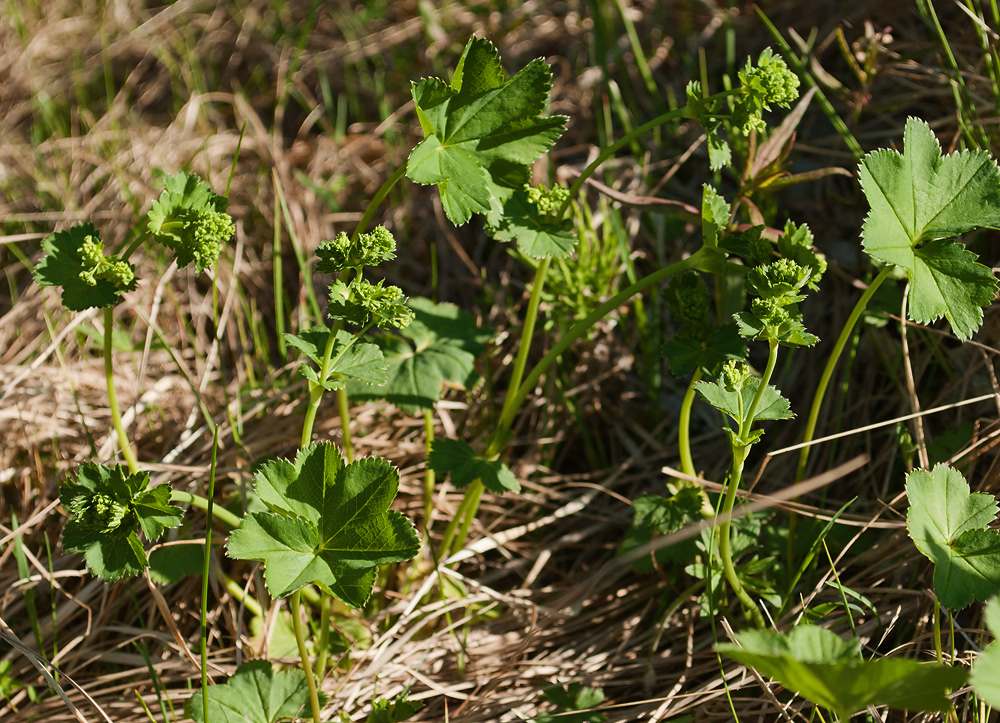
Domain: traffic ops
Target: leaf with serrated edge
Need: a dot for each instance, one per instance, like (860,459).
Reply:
(330,525)
(537,236)
(254,694)
(465,466)
(949,526)
(772,404)
(918,200)
(438,349)
(818,665)
(476,121)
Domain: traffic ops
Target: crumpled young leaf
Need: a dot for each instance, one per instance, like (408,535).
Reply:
(465,466)
(110,507)
(329,524)
(437,350)
(820,666)
(480,130)
(254,694)
(75,261)
(949,526)
(920,200)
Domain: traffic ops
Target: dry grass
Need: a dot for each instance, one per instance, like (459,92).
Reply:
(99,98)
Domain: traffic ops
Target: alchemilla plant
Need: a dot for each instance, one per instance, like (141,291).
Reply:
(318,523)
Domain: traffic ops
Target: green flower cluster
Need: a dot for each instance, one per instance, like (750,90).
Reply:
(547,200)
(98,266)
(769,82)
(361,302)
(191,220)
(368,249)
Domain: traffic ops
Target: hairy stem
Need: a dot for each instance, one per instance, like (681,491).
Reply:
(300,638)
(109,378)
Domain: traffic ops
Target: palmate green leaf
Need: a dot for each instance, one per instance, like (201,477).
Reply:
(985,676)
(538,235)
(920,200)
(437,350)
(821,667)
(949,526)
(455,457)
(656,515)
(478,126)
(254,694)
(772,404)
(330,525)
(574,703)
(110,507)
(75,261)
(358,360)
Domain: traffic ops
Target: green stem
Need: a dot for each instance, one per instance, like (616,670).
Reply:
(831,363)
(204,578)
(684,426)
(294,605)
(628,138)
(109,378)
(252,606)
(938,647)
(429,476)
(219,513)
(740,453)
(324,635)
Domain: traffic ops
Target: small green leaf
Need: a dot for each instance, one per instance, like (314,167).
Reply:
(479,121)
(919,201)
(350,358)
(949,526)
(395,710)
(437,350)
(538,234)
(818,665)
(458,458)
(654,516)
(171,563)
(714,215)
(75,261)
(329,524)
(255,694)
(109,508)
(772,404)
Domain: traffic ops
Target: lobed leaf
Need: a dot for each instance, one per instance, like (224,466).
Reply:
(328,524)
(254,694)
(87,282)
(949,526)
(919,201)
(818,665)
(736,404)
(476,126)
(465,466)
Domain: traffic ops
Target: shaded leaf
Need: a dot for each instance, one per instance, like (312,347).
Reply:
(465,466)
(254,694)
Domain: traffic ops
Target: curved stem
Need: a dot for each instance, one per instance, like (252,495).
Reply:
(219,513)
(740,453)
(831,363)
(684,426)
(294,605)
(109,378)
